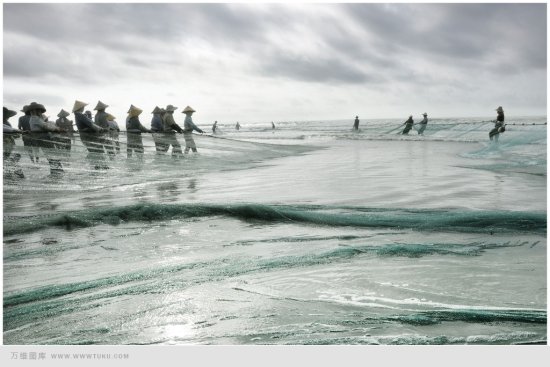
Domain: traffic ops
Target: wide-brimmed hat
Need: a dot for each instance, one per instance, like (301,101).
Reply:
(63,113)
(36,107)
(134,111)
(424,114)
(24,109)
(110,117)
(9,113)
(157,110)
(78,105)
(188,109)
(499,108)
(101,106)
(170,108)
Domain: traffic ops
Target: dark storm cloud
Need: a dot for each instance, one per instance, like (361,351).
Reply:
(459,32)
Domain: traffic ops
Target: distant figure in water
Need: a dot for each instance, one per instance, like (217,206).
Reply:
(272,125)
(423,124)
(499,124)
(214,127)
(408,125)
(238,126)
(356,123)
(188,128)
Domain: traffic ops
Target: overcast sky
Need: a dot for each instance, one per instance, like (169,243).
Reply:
(264,62)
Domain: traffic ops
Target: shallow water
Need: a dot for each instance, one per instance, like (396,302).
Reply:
(307,234)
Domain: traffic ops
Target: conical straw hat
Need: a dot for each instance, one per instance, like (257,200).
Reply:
(188,109)
(78,105)
(9,113)
(63,113)
(101,106)
(110,117)
(156,110)
(36,106)
(134,111)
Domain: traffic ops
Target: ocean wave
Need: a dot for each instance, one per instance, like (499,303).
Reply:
(215,270)
(422,220)
(517,337)
(471,315)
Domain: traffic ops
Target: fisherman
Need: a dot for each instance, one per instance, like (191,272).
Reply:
(64,139)
(89,115)
(101,121)
(408,125)
(41,131)
(188,128)
(114,131)
(170,129)
(423,124)
(157,129)
(356,123)
(134,128)
(10,134)
(272,125)
(89,134)
(499,125)
(24,124)
(214,127)
(238,126)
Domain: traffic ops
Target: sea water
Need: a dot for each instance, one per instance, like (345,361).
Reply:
(309,233)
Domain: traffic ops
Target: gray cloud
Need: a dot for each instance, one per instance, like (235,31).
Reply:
(459,32)
(385,47)
(320,70)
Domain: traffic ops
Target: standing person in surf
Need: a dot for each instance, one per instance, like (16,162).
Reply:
(408,125)
(42,137)
(499,124)
(188,128)
(170,129)
(356,123)
(423,124)
(24,124)
(134,128)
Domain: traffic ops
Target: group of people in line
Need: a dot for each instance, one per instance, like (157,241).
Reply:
(100,134)
(494,133)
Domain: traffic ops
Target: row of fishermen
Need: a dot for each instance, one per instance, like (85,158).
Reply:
(99,135)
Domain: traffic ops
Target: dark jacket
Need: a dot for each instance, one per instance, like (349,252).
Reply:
(134,126)
(500,116)
(84,124)
(101,119)
(24,123)
(156,123)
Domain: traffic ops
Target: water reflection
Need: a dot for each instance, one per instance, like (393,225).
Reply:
(168,191)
